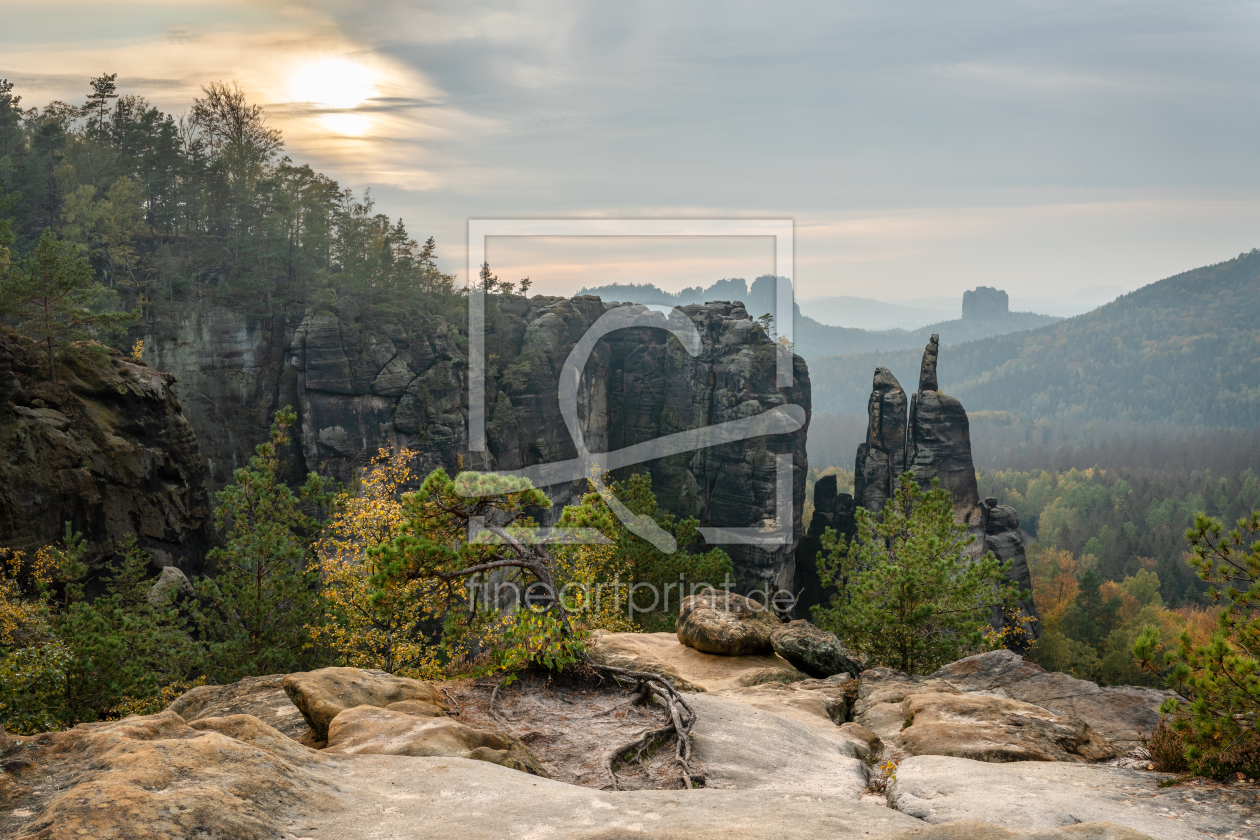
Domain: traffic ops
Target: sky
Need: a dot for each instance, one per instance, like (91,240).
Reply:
(921,148)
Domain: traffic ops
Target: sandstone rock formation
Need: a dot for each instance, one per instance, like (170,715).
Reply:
(322,695)
(1042,796)
(934,442)
(369,730)
(720,622)
(985,303)
(930,717)
(832,509)
(145,778)
(816,652)
(780,761)
(171,584)
(1125,714)
(392,383)
(260,697)
(107,450)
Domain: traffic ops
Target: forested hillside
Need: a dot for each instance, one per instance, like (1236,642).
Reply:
(1182,350)
(204,206)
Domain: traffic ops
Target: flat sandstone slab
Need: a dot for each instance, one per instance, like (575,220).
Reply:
(1045,795)
(403,797)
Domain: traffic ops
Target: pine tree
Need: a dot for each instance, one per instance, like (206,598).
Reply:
(50,293)
(96,109)
(909,596)
(122,645)
(255,611)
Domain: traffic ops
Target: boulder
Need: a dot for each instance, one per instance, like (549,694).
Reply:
(724,623)
(816,652)
(1042,796)
(155,777)
(261,697)
(171,583)
(321,695)
(1124,714)
(369,730)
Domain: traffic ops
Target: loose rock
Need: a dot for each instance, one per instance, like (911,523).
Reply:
(815,651)
(724,623)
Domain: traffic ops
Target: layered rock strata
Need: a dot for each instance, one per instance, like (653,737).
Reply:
(106,450)
(360,386)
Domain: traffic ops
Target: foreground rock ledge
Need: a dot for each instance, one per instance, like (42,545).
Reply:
(781,761)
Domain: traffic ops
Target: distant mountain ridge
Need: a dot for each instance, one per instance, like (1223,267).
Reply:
(1183,350)
(813,339)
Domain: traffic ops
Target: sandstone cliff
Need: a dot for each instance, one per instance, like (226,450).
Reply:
(394,383)
(107,450)
(932,440)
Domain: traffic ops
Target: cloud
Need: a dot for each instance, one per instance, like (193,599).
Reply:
(917,144)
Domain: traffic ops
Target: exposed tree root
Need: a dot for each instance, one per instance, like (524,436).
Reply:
(681,718)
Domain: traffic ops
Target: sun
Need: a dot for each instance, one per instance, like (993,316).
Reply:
(333,83)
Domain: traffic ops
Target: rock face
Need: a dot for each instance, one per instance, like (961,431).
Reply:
(724,623)
(816,652)
(322,695)
(404,383)
(935,443)
(107,450)
(832,509)
(883,456)
(985,303)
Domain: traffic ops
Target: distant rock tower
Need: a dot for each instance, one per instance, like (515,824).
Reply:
(931,440)
(985,303)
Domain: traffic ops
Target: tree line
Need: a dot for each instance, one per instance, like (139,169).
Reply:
(169,209)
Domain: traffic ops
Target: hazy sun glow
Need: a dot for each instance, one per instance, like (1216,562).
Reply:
(353,125)
(333,83)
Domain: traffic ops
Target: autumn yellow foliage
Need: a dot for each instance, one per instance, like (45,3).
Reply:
(1055,584)
(384,632)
